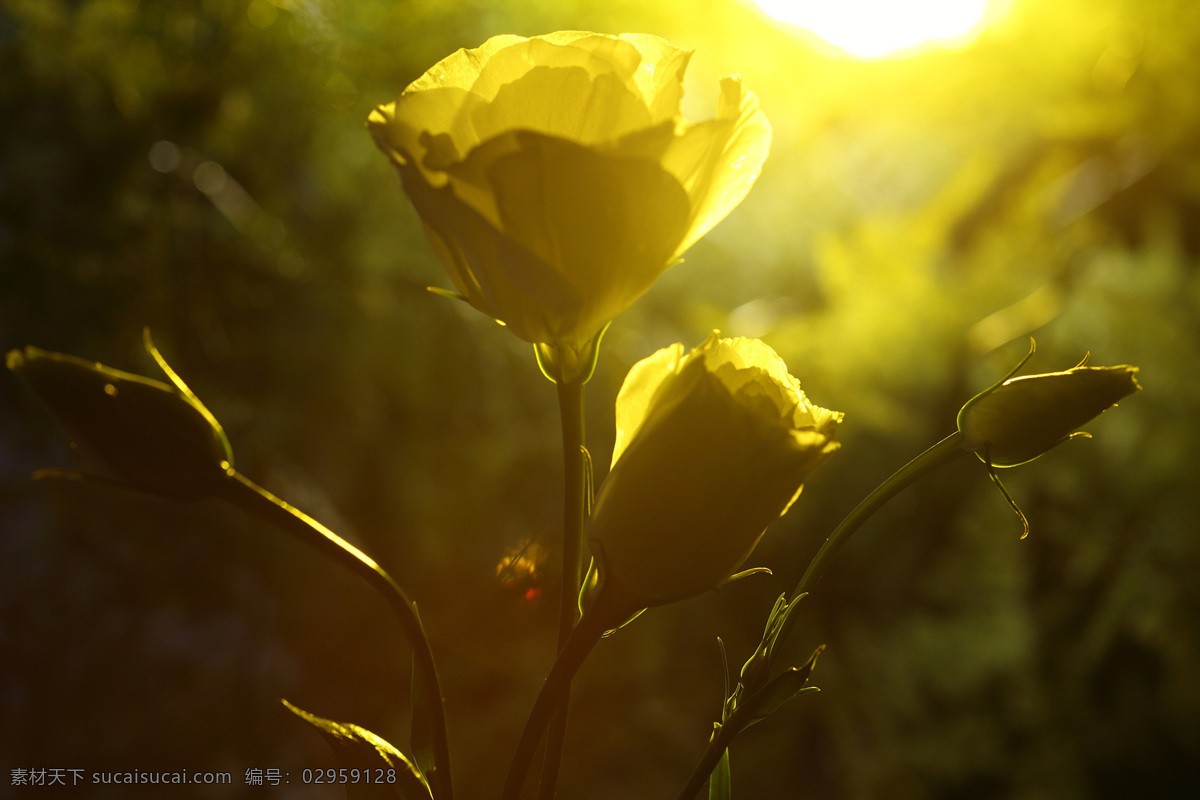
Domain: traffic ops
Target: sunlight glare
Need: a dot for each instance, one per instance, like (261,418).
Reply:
(880,28)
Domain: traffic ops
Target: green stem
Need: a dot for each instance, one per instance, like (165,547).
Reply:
(570,408)
(717,745)
(245,494)
(940,454)
(553,696)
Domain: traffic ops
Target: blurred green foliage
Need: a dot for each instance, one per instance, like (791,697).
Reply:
(200,166)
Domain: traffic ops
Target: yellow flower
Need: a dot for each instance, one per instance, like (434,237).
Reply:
(1019,419)
(555,177)
(711,447)
(152,436)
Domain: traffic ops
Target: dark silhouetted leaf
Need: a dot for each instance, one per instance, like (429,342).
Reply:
(358,748)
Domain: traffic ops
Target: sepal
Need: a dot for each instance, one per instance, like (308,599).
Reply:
(566,362)
(787,685)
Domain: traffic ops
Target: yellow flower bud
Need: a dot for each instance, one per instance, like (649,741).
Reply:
(153,436)
(1019,419)
(711,447)
(555,177)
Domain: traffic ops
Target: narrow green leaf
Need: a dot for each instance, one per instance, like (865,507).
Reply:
(746,573)
(719,782)
(778,624)
(774,618)
(357,748)
(724,666)
(421,730)
(777,696)
(450,293)
(780,689)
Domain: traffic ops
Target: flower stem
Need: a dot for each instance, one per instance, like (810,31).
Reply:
(570,407)
(717,745)
(552,697)
(247,495)
(940,454)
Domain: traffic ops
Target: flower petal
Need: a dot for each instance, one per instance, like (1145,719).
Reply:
(565,102)
(596,54)
(461,69)
(648,65)
(416,128)
(635,399)
(659,77)
(573,85)
(718,161)
(701,481)
(607,224)
(742,363)
(494,273)
(570,145)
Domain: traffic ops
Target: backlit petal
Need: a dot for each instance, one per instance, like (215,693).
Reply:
(586,109)
(706,457)
(571,146)
(718,161)
(494,272)
(638,391)
(608,231)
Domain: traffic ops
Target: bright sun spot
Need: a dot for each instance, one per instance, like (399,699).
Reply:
(880,28)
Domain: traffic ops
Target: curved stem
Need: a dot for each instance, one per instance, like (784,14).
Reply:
(554,692)
(245,494)
(940,454)
(570,408)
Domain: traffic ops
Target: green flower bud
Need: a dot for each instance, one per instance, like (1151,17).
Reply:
(1021,418)
(153,436)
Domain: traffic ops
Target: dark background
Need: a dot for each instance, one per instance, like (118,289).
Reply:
(202,168)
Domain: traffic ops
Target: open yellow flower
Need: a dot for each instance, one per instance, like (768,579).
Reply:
(555,177)
(711,447)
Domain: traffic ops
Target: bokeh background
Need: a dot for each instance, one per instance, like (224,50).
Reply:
(201,167)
